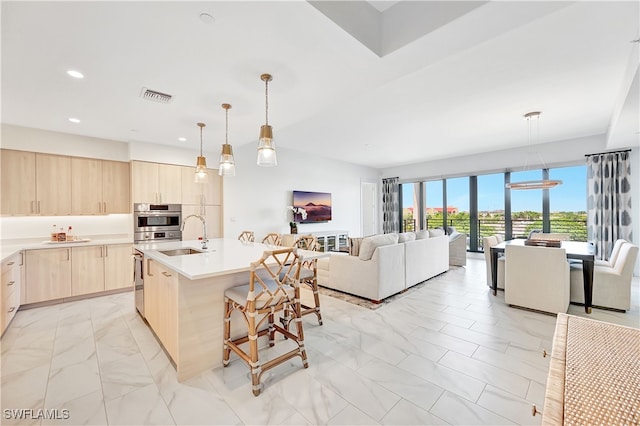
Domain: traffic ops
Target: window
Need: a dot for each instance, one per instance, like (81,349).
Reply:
(526,206)
(458,204)
(410,206)
(568,202)
(490,206)
(433,204)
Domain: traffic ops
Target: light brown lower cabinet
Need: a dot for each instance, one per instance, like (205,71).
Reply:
(63,272)
(10,289)
(118,266)
(48,274)
(161,304)
(87,270)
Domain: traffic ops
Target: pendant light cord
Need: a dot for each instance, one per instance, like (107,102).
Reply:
(201,141)
(226,131)
(266,102)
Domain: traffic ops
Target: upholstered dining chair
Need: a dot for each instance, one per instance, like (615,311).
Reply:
(246,237)
(614,254)
(273,287)
(487,243)
(309,274)
(273,239)
(611,283)
(537,278)
(553,236)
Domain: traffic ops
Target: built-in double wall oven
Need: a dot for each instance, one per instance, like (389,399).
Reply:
(156,222)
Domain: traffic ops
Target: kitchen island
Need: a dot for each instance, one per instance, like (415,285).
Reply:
(184,296)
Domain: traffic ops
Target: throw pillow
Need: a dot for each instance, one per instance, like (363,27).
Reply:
(370,244)
(422,234)
(450,230)
(436,232)
(406,236)
(354,246)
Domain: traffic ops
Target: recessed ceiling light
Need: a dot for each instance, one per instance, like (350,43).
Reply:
(207,18)
(182,139)
(74,120)
(75,74)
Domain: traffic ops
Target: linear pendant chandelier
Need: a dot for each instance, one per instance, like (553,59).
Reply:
(533,184)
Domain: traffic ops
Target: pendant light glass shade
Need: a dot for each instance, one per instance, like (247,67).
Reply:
(227,166)
(266,145)
(201,175)
(533,184)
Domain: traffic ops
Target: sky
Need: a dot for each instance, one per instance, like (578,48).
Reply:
(570,196)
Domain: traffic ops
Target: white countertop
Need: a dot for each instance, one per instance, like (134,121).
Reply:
(10,247)
(223,256)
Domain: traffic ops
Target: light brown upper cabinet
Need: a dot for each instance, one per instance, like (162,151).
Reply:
(99,186)
(156,183)
(209,193)
(35,183)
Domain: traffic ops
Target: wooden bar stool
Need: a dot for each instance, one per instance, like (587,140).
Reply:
(274,286)
(246,237)
(309,274)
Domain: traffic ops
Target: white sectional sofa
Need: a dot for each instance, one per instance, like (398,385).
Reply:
(387,264)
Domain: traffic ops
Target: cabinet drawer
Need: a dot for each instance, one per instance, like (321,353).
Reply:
(12,263)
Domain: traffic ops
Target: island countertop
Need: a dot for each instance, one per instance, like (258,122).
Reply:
(223,256)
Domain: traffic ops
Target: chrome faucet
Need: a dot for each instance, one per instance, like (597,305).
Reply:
(204,228)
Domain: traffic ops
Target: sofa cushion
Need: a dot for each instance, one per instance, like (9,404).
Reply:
(370,244)
(436,232)
(354,246)
(451,230)
(422,234)
(403,237)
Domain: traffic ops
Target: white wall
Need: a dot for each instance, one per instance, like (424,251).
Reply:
(256,198)
(14,228)
(553,154)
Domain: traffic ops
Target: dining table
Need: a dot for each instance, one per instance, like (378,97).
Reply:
(578,250)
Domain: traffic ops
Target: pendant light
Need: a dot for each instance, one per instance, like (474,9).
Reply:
(266,146)
(534,184)
(227,165)
(201,162)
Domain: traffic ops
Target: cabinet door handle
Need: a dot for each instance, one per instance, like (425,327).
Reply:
(104,207)
(38,207)
(11,283)
(149,274)
(31,204)
(21,258)
(10,263)
(106,251)
(68,254)
(13,308)
(166,274)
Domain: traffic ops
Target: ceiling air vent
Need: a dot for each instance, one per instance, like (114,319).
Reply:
(152,95)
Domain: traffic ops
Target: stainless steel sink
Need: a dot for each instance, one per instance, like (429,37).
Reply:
(180,252)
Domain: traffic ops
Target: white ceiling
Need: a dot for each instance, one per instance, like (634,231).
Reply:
(446,81)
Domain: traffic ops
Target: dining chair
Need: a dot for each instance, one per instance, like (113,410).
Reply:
(309,274)
(246,237)
(537,278)
(273,239)
(487,243)
(274,287)
(611,283)
(614,254)
(552,236)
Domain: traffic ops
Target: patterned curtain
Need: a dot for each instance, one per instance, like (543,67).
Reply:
(608,200)
(390,205)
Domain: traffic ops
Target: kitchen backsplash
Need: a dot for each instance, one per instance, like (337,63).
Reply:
(40,226)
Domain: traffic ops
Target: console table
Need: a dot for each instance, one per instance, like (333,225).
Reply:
(327,240)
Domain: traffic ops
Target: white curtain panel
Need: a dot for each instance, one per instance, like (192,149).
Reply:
(390,205)
(608,200)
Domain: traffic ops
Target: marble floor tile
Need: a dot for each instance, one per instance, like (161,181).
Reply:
(406,413)
(444,377)
(448,353)
(143,406)
(459,411)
